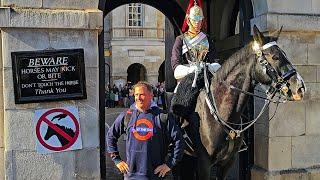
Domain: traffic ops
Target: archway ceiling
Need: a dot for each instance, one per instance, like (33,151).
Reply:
(172,9)
(218,12)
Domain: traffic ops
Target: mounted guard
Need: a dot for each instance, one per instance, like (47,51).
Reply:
(193,50)
(193,54)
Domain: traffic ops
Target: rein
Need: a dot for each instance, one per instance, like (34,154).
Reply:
(232,132)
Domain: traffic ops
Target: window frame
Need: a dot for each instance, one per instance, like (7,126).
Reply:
(141,19)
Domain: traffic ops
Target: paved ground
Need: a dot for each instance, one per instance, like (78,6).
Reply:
(111,115)
(112,171)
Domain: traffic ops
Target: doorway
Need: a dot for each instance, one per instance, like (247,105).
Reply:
(229,25)
(136,72)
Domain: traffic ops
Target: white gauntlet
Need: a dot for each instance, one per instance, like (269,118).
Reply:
(182,70)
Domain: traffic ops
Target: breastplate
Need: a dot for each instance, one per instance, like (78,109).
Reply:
(198,46)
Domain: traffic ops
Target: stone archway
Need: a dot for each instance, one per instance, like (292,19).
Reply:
(136,72)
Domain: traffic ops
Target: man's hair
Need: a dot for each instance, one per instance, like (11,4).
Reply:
(145,84)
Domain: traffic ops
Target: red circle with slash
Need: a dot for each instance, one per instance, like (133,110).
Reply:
(44,119)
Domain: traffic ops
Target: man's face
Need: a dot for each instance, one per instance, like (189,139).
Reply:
(142,98)
(195,26)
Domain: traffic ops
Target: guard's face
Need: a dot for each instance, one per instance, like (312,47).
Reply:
(194,26)
(142,97)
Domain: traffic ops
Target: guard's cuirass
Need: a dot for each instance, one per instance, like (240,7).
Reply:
(196,48)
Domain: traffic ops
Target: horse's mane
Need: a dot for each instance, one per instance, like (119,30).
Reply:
(69,131)
(229,64)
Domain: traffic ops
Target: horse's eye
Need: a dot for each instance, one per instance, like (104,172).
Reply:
(275,57)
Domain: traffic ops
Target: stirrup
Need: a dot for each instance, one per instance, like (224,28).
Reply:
(243,147)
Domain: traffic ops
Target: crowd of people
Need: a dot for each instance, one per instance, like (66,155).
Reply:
(123,97)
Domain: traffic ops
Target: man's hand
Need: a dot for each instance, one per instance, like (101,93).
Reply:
(162,170)
(123,167)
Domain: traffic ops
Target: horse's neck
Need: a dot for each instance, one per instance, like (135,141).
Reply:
(62,139)
(236,71)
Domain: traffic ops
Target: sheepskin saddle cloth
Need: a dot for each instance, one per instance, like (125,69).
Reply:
(185,99)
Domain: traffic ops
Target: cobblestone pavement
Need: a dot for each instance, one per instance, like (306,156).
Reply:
(112,171)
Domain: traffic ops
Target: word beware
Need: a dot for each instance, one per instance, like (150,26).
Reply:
(50,61)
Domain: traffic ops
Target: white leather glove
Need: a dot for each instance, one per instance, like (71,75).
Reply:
(213,67)
(192,69)
(182,70)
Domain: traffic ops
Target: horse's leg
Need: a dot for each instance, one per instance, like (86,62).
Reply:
(204,164)
(176,170)
(223,169)
(185,170)
(189,165)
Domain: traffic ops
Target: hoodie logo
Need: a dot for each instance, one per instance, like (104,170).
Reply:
(143,130)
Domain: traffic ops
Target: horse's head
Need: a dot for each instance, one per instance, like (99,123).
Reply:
(50,132)
(275,69)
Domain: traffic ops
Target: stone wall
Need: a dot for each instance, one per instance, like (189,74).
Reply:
(57,4)
(287,146)
(150,51)
(1,116)
(38,25)
(151,60)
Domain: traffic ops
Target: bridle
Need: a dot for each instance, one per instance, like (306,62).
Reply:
(279,79)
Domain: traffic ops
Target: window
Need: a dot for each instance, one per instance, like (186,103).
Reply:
(135,15)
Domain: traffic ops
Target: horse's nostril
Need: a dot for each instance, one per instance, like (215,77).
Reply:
(301,91)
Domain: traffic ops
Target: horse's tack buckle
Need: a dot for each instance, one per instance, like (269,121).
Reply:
(234,134)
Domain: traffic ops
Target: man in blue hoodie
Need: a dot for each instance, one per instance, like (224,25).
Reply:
(147,138)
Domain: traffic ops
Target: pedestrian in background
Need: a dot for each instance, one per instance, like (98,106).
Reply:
(112,98)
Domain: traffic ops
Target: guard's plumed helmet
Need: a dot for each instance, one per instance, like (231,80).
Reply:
(194,12)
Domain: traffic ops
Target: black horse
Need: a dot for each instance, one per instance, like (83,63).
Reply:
(215,139)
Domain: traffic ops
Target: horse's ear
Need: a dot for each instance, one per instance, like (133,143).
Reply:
(258,36)
(274,36)
(277,37)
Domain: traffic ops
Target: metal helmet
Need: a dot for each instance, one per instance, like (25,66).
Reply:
(196,12)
